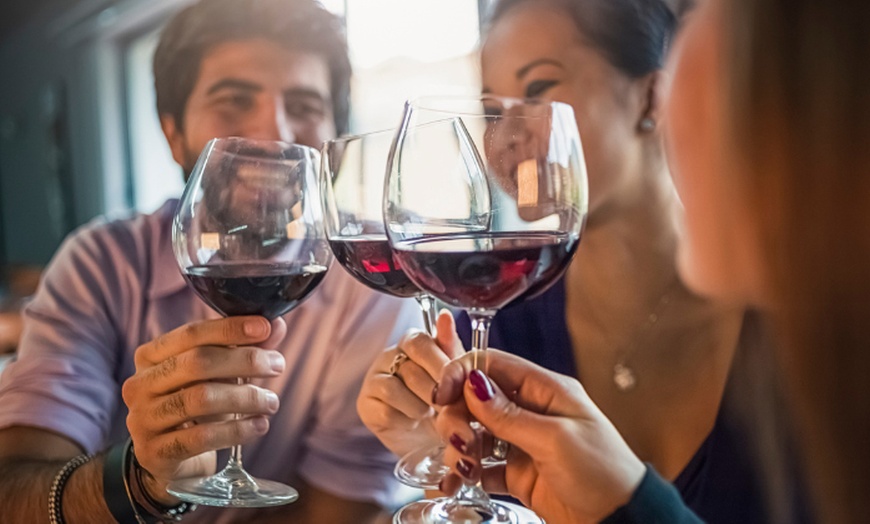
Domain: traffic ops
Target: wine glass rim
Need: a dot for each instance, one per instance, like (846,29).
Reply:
(215,145)
(419,102)
(357,136)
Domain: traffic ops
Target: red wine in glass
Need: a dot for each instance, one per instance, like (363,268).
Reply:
(371,260)
(545,282)
(486,271)
(268,290)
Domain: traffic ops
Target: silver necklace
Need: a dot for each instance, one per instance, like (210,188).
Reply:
(624,377)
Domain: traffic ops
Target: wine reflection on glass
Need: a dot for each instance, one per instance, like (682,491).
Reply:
(484,204)
(248,237)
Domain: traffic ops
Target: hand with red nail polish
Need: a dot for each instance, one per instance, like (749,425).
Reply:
(397,406)
(567,461)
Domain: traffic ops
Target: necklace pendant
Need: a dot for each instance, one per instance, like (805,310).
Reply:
(624,377)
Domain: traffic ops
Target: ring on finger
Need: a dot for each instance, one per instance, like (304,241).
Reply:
(500,449)
(397,362)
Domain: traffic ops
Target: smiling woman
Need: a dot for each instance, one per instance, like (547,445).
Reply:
(655,355)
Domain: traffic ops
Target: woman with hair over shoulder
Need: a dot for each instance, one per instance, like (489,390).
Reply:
(769,118)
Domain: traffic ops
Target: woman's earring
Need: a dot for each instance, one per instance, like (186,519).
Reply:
(647,125)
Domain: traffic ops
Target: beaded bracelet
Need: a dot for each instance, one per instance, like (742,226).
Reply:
(55,493)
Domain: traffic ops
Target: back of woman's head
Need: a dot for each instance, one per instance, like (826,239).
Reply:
(798,118)
(633,35)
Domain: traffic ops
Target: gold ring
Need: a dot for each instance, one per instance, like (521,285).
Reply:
(398,360)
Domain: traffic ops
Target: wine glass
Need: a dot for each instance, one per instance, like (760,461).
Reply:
(485,202)
(248,237)
(352,188)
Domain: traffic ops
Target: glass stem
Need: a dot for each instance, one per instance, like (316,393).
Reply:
(473,493)
(235,461)
(427,305)
(480,321)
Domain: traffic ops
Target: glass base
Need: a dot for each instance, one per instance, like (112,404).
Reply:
(422,468)
(449,511)
(232,487)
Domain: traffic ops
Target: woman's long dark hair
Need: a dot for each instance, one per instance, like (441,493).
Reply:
(798,100)
(633,35)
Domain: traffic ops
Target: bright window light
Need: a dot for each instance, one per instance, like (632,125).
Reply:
(428,31)
(155,175)
(402,49)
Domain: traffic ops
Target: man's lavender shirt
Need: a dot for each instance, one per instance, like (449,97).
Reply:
(114,285)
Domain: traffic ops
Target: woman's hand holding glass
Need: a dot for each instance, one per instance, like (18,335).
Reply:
(396,401)
(567,461)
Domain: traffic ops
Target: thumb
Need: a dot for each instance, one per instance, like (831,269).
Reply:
(503,417)
(447,338)
(276,335)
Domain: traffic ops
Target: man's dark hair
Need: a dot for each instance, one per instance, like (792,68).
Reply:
(633,35)
(298,25)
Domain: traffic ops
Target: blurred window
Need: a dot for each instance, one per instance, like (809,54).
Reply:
(154,175)
(403,49)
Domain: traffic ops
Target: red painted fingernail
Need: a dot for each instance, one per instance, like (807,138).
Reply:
(480,385)
(457,442)
(435,394)
(464,468)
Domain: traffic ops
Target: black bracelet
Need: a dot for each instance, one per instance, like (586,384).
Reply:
(166,513)
(120,496)
(116,487)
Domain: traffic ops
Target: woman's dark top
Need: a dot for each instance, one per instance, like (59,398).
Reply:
(655,501)
(719,484)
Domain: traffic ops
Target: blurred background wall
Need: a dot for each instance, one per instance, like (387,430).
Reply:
(79,136)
